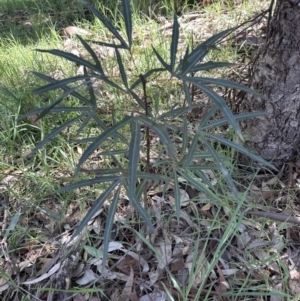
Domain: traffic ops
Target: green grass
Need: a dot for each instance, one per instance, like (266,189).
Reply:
(31,25)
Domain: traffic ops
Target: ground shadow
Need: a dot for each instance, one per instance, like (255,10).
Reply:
(26,21)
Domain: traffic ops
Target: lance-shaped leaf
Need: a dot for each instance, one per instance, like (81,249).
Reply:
(228,83)
(84,124)
(173,113)
(198,171)
(106,80)
(128,20)
(70,57)
(56,110)
(160,132)
(55,132)
(196,183)
(201,51)
(184,135)
(192,149)
(90,182)
(65,88)
(165,64)
(121,68)
(139,101)
(187,93)
(224,121)
(106,134)
(109,224)
(107,24)
(95,208)
(61,84)
(174,42)
(145,76)
(103,126)
(57,101)
(177,195)
(90,88)
(207,116)
(220,102)
(152,176)
(223,169)
(210,65)
(136,203)
(240,149)
(123,152)
(89,49)
(182,66)
(134,155)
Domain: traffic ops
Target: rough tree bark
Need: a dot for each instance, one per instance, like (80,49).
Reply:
(276,136)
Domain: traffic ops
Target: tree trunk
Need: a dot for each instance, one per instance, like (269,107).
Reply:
(276,136)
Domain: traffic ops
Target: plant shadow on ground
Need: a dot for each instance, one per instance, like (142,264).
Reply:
(27,21)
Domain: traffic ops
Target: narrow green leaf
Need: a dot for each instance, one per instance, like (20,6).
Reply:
(141,188)
(210,65)
(106,134)
(128,20)
(240,149)
(177,112)
(177,195)
(223,169)
(224,121)
(167,66)
(134,155)
(194,167)
(96,253)
(55,132)
(89,49)
(90,88)
(196,183)
(83,125)
(107,81)
(207,116)
(174,42)
(230,84)
(12,225)
(89,182)
(51,214)
(160,132)
(55,110)
(187,93)
(220,102)
(139,101)
(208,43)
(192,149)
(204,178)
(103,126)
(70,57)
(95,208)
(146,75)
(57,101)
(184,135)
(121,67)
(152,176)
(184,62)
(114,152)
(52,80)
(107,23)
(142,212)
(109,224)
(201,51)
(60,84)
